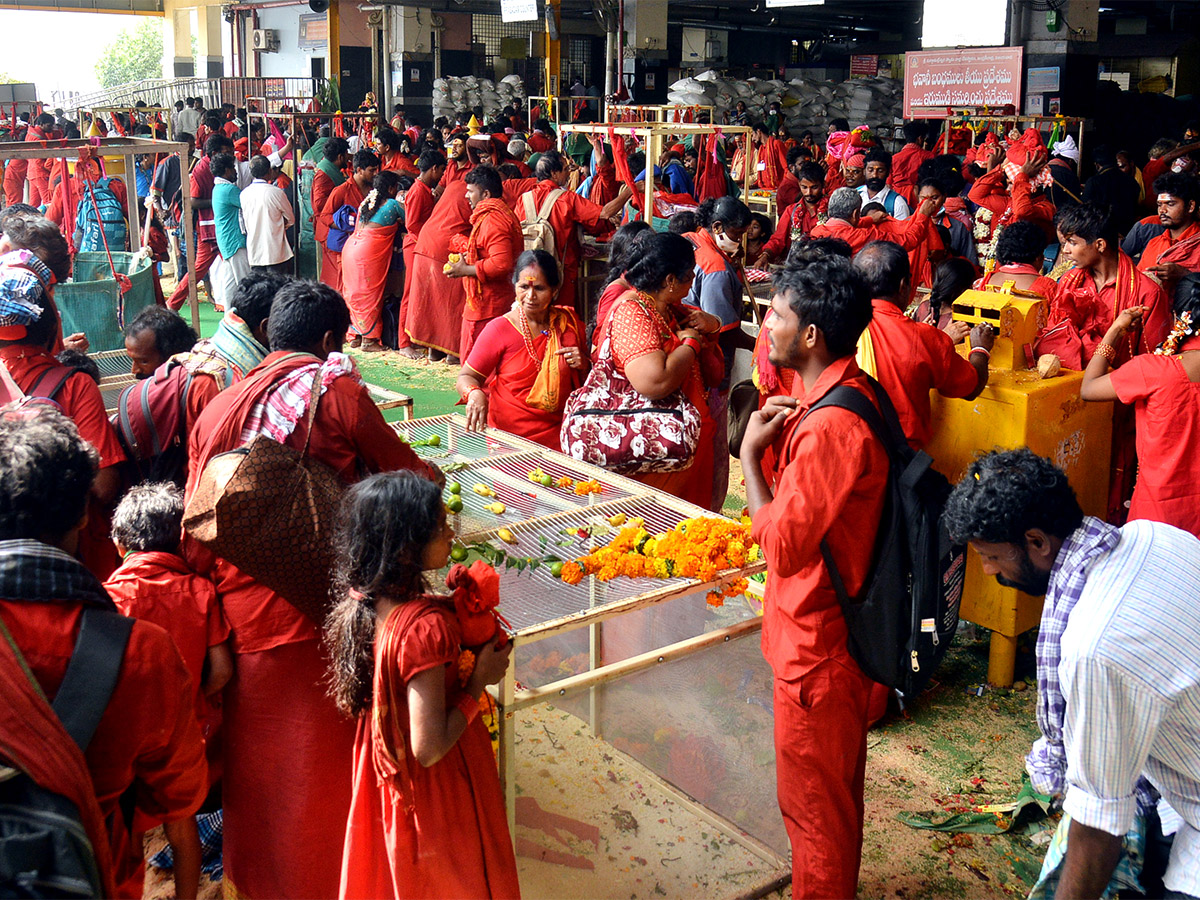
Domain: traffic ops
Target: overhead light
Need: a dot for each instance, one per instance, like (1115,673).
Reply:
(776,3)
(795,43)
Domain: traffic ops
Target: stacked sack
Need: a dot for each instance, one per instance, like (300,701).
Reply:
(454,95)
(807,103)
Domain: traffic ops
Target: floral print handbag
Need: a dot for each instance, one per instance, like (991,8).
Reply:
(607,423)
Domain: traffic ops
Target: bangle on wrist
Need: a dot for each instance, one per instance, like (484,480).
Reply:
(468,706)
(467,395)
(1105,350)
(984,350)
(693,343)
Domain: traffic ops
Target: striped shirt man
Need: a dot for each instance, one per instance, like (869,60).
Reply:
(1130,676)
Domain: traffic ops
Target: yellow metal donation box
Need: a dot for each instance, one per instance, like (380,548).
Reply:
(1016,409)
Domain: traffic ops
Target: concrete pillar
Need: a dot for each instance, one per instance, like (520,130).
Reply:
(210,63)
(177,42)
(414,35)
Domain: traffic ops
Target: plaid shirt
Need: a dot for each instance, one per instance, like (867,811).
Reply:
(1047,761)
(37,572)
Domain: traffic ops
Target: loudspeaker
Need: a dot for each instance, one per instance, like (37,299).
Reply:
(318,6)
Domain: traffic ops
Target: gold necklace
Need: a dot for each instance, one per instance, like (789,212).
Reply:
(527,336)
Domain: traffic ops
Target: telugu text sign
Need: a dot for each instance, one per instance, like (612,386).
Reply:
(937,79)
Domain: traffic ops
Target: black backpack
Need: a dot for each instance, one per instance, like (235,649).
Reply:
(901,624)
(44,848)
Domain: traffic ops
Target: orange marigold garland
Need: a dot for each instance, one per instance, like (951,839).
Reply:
(696,548)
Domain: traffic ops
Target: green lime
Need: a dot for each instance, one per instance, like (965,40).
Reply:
(435,440)
(454,504)
(546,480)
(556,569)
(458,554)
(454,487)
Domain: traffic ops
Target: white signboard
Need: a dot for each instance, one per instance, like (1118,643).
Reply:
(518,10)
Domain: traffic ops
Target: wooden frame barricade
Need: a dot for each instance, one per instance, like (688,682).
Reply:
(540,606)
(652,135)
(127,148)
(628,113)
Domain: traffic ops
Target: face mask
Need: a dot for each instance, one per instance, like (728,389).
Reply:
(875,185)
(726,243)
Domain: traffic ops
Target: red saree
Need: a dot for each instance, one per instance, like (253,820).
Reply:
(500,356)
(436,303)
(366,259)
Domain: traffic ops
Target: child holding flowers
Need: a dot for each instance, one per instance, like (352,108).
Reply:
(427,816)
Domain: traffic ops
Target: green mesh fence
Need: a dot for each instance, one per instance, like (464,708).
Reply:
(91,301)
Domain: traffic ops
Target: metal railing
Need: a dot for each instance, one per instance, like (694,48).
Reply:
(213,91)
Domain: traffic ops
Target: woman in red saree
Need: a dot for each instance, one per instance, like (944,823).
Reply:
(650,347)
(526,362)
(427,816)
(367,258)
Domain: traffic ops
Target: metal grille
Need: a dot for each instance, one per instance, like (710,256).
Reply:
(577,61)
(487,32)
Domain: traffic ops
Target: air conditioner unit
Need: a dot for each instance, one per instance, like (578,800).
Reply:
(265,40)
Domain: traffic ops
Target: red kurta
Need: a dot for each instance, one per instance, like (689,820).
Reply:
(911,232)
(911,359)
(501,357)
(147,737)
(436,303)
(1166,409)
(493,245)
(160,588)
(455,843)
(288,752)
(830,477)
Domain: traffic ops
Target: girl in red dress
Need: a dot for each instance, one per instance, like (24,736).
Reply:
(427,817)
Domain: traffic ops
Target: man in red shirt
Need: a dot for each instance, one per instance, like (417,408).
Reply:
(1176,252)
(458,162)
(801,217)
(418,206)
(1103,284)
(911,358)
(202,181)
(568,211)
(351,192)
(830,479)
(287,749)
(908,159)
(843,222)
(493,245)
(147,745)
